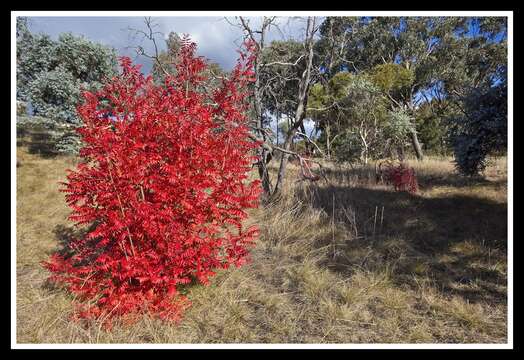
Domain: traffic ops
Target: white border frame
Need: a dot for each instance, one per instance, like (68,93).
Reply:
(510,324)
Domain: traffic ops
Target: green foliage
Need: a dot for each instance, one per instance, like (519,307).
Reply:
(51,74)
(346,97)
(433,134)
(283,128)
(340,84)
(476,60)
(347,148)
(482,130)
(399,126)
(54,95)
(168,59)
(445,57)
(355,109)
(33,56)
(392,78)
(432,123)
(317,97)
(87,61)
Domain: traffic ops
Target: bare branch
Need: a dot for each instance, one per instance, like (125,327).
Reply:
(284,63)
(149,35)
(311,141)
(245,25)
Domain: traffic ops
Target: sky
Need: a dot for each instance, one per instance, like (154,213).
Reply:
(216,38)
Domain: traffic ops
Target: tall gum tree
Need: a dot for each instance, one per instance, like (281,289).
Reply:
(296,100)
(301,106)
(415,43)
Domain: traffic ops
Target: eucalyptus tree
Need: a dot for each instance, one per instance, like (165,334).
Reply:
(301,99)
(476,83)
(351,109)
(355,115)
(165,61)
(433,121)
(414,43)
(272,79)
(52,73)
(257,35)
(396,83)
(476,56)
(482,128)
(282,65)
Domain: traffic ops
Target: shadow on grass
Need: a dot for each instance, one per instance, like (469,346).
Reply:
(456,241)
(427,179)
(66,235)
(38,143)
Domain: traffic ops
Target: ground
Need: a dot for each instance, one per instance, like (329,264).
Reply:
(338,261)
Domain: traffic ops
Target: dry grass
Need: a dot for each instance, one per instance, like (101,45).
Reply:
(429,268)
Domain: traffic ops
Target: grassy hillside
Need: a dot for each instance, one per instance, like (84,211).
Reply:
(344,261)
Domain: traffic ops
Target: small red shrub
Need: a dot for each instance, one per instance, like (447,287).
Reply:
(163,184)
(402,177)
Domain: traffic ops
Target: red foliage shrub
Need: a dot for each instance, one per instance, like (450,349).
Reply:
(163,184)
(402,177)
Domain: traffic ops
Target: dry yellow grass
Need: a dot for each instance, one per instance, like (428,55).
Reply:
(429,268)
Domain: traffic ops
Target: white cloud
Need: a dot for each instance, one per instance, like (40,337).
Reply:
(215,37)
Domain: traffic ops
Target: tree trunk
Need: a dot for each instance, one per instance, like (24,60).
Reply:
(328,144)
(299,117)
(262,164)
(401,156)
(416,145)
(278,121)
(282,168)
(264,176)
(306,144)
(413,135)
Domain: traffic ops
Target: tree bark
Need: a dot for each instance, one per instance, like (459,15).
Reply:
(282,168)
(401,156)
(413,133)
(416,145)
(303,130)
(328,143)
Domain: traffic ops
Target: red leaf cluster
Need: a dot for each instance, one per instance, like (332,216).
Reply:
(163,186)
(402,177)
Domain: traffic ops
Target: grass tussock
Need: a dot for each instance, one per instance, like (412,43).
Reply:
(338,261)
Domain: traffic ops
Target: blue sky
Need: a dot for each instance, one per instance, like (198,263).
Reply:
(215,37)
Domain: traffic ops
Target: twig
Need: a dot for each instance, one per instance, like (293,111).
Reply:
(311,141)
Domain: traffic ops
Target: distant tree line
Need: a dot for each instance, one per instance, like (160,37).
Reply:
(377,87)
(374,87)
